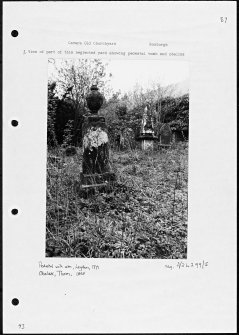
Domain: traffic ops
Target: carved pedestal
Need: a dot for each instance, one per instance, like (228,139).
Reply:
(147,137)
(95,167)
(147,141)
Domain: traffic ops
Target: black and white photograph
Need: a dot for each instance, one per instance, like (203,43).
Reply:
(117,158)
(119,167)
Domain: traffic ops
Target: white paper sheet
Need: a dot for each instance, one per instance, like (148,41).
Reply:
(121,295)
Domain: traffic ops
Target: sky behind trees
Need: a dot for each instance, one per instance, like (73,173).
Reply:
(126,74)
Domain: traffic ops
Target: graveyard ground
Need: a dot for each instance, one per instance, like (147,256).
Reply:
(144,216)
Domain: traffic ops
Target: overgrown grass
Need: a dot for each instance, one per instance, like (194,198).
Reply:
(144,216)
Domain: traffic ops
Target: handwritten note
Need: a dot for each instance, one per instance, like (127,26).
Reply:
(62,270)
(183,265)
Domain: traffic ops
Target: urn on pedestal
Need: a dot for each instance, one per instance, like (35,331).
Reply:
(95,166)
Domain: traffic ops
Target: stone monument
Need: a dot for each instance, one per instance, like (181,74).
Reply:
(165,136)
(147,136)
(95,165)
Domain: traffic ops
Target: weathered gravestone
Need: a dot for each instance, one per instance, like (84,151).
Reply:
(95,165)
(165,136)
(147,136)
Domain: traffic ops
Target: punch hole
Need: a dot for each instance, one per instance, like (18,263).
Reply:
(14,33)
(14,123)
(14,211)
(15,301)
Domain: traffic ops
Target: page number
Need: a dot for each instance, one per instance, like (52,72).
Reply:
(223,19)
(21,326)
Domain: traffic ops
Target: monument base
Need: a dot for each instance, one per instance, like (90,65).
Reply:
(165,146)
(147,141)
(147,145)
(97,180)
(90,183)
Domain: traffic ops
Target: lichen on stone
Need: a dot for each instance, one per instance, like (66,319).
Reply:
(94,138)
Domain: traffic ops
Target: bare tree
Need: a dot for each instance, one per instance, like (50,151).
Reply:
(74,77)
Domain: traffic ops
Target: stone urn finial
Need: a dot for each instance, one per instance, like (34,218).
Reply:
(94,99)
